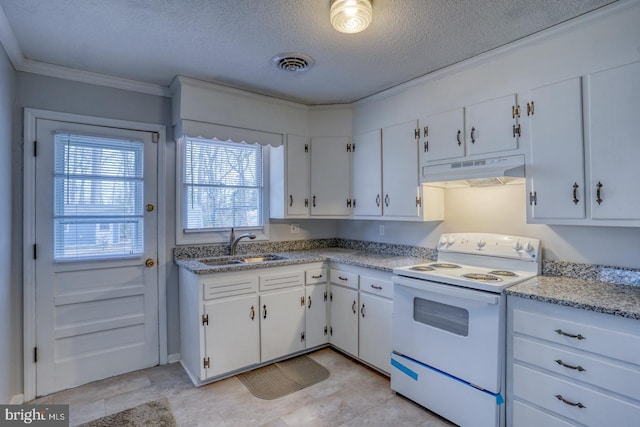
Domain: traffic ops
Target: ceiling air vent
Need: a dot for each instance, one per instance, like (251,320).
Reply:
(293,62)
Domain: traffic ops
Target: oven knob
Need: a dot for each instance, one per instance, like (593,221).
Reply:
(443,241)
(528,247)
(451,240)
(517,245)
(481,243)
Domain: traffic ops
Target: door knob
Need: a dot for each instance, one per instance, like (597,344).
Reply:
(149,262)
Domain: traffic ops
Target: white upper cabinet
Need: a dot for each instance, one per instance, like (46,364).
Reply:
(492,126)
(555,173)
(613,145)
(289,178)
(330,176)
(367,174)
(443,136)
(400,168)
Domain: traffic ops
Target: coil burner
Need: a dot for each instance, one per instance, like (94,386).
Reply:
(482,277)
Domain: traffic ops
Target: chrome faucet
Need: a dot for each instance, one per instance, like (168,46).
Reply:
(233,240)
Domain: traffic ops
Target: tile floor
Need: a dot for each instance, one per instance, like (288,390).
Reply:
(353,395)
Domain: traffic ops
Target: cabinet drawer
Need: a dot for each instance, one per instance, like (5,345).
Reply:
(317,275)
(227,287)
(344,278)
(596,371)
(281,280)
(526,416)
(607,342)
(383,288)
(580,404)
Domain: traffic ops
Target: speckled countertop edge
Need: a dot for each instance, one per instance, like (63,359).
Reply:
(601,297)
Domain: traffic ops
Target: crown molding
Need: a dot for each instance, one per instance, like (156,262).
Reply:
(9,41)
(484,57)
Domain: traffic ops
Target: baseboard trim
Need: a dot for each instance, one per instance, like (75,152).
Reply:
(173,358)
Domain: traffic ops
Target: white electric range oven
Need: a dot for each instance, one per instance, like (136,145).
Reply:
(449,325)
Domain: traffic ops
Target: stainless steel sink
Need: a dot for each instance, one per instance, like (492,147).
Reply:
(238,259)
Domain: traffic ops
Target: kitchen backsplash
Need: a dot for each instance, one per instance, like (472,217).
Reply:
(601,273)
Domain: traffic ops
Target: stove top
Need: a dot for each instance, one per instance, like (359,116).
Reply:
(482,261)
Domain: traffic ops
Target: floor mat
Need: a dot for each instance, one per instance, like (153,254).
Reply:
(156,413)
(282,378)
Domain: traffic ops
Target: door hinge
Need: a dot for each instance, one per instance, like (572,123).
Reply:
(155,137)
(302,301)
(533,198)
(425,131)
(515,111)
(306,148)
(35,251)
(205,319)
(206,363)
(302,336)
(516,130)
(530,108)
(325,330)
(325,295)
(416,133)
(348,203)
(35,148)
(418,201)
(426,146)
(348,148)
(306,203)
(35,354)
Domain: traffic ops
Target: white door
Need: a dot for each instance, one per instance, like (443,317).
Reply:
(556,172)
(344,319)
(282,323)
(489,126)
(297,175)
(443,136)
(367,174)
(316,317)
(400,169)
(330,176)
(375,330)
(96,253)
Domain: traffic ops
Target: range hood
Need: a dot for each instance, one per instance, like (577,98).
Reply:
(476,172)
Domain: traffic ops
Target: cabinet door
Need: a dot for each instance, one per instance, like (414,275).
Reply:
(232,339)
(330,176)
(443,136)
(282,323)
(400,168)
(344,319)
(614,148)
(375,331)
(316,315)
(298,175)
(367,174)
(489,126)
(556,172)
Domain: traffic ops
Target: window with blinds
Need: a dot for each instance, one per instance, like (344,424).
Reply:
(98,197)
(222,185)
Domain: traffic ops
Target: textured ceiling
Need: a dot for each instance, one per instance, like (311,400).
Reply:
(232,41)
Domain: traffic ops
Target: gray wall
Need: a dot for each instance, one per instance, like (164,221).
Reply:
(10,296)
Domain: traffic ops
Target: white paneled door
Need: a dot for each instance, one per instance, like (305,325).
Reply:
(96,253)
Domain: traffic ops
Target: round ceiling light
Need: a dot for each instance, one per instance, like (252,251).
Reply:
(293,62)
(351,16)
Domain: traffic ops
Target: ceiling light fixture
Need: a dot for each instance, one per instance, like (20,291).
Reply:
(351,16)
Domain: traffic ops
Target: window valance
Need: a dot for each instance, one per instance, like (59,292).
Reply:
(196,129)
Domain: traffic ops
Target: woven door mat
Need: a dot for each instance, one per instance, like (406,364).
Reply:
(156,413)
(283,378)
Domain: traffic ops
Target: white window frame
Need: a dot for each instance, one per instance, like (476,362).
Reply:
(221,236)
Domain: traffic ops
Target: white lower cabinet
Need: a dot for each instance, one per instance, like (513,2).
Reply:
(567,366)
(361,311)
(234,321)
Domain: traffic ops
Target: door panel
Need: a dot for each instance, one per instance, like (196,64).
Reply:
(97,304)
(367,174)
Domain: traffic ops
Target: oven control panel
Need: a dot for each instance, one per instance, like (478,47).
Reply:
(490,244)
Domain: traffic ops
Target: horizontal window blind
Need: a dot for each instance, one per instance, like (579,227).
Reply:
(98,197)
(222,185)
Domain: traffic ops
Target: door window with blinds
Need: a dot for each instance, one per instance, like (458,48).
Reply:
(98,197)
(222,185)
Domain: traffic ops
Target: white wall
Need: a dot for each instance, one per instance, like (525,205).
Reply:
(611,39)
(10,296)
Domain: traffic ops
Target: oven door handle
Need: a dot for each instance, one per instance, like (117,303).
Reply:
(447,290)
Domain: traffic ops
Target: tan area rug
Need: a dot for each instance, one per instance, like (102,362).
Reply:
(150,414)
(282,378)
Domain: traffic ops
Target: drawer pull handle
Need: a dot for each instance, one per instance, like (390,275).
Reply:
(319,276)
(353,307)
(563,400)
(343,278)
(252,314)
(309,302)
(264,313)
(561,332)
(577,368)
(377,287)
(362,310)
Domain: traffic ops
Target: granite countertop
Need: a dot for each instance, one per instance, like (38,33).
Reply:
(601,297)
(374,260)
